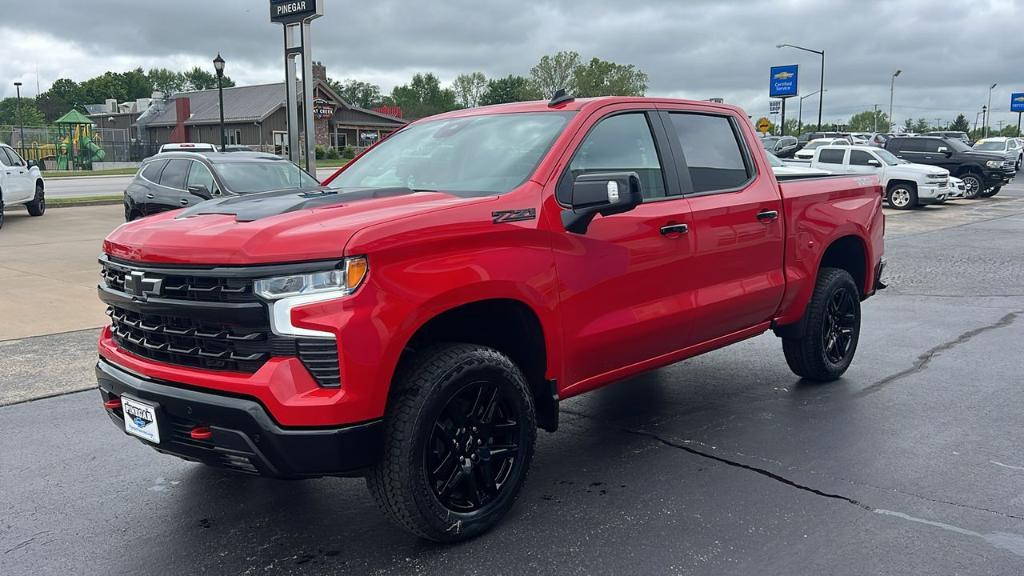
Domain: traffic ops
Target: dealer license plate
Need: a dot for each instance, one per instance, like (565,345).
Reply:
(140,419)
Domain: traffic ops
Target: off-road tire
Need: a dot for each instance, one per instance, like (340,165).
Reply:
(972,185)
(37,207)
(425,386)
(990,192)
(806,355)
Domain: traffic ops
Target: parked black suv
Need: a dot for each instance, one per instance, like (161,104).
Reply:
(781,146)
(172,180)
(983,173)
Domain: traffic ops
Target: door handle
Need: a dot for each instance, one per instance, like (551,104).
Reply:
(674,229)
(767,215)
(149,196)
(184,201)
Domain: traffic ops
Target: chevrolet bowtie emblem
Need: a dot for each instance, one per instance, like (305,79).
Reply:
(141,288)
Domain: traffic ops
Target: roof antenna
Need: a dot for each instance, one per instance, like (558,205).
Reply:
(560,97)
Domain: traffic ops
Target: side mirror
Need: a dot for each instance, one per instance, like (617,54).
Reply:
(32,164)
(200,190)
(603,193)
(874,163)
(944,150)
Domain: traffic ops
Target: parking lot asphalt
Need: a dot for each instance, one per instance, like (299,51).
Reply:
(722,464)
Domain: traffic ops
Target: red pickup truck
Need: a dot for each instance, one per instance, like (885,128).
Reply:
(415,320)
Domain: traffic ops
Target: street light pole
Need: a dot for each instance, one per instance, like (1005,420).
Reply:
(218,64)
(989,107)
(892,88)
(821,85)
(800,111)
(21,123)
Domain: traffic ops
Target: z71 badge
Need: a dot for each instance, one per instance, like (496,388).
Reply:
(513,215)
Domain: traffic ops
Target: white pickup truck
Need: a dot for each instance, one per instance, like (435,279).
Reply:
(20,183)
(906,185)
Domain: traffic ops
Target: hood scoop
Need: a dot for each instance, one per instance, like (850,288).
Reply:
(251,207)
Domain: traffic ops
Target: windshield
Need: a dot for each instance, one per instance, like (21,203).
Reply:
(993,146)
(479,154)
(888,157)
(249,177)
(817,143)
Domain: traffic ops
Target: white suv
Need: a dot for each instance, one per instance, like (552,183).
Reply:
(906,185)
(20,183)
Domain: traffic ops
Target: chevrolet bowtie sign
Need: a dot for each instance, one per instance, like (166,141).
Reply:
(293,10)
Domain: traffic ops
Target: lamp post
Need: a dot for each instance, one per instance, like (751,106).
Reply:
(989,107)
(800,111)
(17,112)
(821,86)
(892,89)
(218,64)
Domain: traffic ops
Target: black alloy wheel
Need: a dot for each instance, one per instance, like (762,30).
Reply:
(972,185)
(839,322)
(473,447)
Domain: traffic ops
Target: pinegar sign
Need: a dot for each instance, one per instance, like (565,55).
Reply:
(293,10)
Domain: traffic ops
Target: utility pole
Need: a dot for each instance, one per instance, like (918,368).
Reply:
(17,113)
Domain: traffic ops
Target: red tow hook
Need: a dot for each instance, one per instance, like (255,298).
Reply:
(112,404)
(201,433)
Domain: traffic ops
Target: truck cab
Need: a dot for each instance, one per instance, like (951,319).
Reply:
(21,183)
(906,185)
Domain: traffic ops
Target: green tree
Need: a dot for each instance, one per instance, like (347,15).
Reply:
(511,88)
(357,92)
(469,88)
(866,121)
(908,125)
(960,124)
(61,97)
(166,81)
(200,79)
(792,127)
(555,72)
(921,125)
(123,86)
(423,96)
(603,78)
(25,115)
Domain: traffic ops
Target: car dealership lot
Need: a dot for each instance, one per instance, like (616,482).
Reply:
(722,464)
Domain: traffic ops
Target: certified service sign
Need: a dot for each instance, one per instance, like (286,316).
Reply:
(783,81)
(294,10)
(1017,102)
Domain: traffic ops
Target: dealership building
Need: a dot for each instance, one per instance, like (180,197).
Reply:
(256,116)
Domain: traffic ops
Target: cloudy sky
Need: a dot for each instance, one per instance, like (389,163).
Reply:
(949,52)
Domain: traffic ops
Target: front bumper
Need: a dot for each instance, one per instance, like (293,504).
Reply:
(244,436)
(931,193)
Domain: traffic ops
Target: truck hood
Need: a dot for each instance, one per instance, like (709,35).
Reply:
(270,227)
(982,156)
(917,169)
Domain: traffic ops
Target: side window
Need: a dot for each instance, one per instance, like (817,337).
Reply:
(622,143)
(860,158)
(712,152)
(200,175)
(895,145)
(831,156)
(174,173)
(11,158)
(152,170)
(5,160)
(932,144)
(914,145)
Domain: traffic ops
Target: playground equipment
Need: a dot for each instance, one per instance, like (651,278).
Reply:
(77,146)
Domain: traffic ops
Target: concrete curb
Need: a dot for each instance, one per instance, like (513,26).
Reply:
(86,203)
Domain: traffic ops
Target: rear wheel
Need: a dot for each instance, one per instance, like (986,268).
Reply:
(972,185)
(831,329)
(459,436)
(38,204)
(990,192)
(902,196)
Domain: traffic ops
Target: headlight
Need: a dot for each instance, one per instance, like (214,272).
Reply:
(994,163)
(343,280)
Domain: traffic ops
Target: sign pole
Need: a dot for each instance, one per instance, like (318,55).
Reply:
(295,17)
(1018,123)
(307,99)
(782,123)
(291,94)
